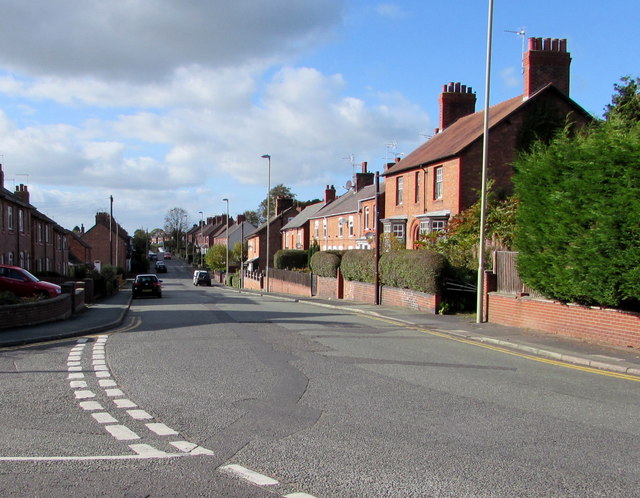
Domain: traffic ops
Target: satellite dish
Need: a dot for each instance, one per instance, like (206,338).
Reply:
(348,185)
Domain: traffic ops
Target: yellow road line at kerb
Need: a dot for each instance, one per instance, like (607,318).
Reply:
(500,349)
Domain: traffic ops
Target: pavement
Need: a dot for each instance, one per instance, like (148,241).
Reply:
(111,312)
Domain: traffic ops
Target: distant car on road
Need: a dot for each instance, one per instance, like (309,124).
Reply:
(201,277)
(167,255)
(146,284)
(24,284)
(153,256)
(161,267)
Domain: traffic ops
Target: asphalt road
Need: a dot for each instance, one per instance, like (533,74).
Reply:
(322,401)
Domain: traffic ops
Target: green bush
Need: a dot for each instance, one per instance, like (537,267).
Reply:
(287,259)
(358,265)
(417,270)
(577,223)
(325,263)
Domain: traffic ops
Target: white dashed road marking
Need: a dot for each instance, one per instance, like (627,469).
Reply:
(104,418)
(121,433)
(249,475)
(161,429)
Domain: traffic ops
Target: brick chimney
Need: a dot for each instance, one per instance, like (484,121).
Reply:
(282,204)
(1,177)
(456,101)
(240,218)
(22,193)
(363,179)
(329,194)
(546,61)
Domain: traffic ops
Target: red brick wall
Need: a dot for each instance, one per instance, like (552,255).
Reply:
(404,298)
(359,292)
(47,310)
(289,287)
(327,288)
(593,324)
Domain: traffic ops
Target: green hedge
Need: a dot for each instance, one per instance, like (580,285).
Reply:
(577,223)
(416,270)
(287,259)
(358,265)
(325,263)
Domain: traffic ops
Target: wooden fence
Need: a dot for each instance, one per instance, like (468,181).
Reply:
(505,267)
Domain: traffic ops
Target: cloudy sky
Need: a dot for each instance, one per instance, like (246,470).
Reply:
(171,103)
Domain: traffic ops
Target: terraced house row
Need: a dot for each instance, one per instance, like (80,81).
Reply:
(422,192)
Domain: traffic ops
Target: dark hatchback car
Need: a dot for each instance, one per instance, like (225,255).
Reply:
(161,267)
(23,284)
(146,285)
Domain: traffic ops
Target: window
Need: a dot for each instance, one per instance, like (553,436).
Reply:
(10,217)
(416,190)
(350,226)
(40,232)
(424,227)
(438,225)
(437,183)
(11,262)
(398,230)
(341,227)
(299,244)
(316,229)
(399,187)
(21,220)
(366,217)
(324,228)
(46,236)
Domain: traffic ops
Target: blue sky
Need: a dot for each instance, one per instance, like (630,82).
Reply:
(168,104)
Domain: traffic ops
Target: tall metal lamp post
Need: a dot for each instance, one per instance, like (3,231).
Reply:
(267,156)
(226,275)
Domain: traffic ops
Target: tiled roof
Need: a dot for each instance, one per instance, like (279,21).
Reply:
(466,130)
(348,202)
(304,216)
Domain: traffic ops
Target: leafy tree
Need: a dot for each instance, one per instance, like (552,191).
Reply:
(625,103)
(252,217)
(216,257)
(278,191)
(578,229)
(139,258)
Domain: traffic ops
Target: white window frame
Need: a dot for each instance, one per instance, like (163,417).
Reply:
(438,183)
(351,230)
(399,190)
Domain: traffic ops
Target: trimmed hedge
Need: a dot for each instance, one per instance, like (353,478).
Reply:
(287,259)
(358,265)
(325,263)
(416,270)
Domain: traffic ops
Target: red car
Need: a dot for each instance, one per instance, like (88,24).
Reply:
(23,284)
(167,255)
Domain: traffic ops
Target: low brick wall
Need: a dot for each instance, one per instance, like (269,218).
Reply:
(414,300)
(327,288)
(289,287)
(252,283)
(359,292)
(592,324)
(47,310)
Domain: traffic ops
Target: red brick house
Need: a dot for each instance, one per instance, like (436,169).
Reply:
(79,250)
(257,241)
(109,242)
(28,238)
(441,178)
(348,222)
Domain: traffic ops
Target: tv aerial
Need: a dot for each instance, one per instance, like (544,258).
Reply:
(522,33)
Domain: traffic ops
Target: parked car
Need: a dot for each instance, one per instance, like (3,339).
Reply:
(167,255)
(201,277)
(24,284)
(161,267)
(146,284)
(153,256)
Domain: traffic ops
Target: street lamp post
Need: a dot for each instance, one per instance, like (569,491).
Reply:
(268,157)
(226,275)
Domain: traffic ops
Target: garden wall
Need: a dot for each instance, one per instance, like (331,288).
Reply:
(592,324)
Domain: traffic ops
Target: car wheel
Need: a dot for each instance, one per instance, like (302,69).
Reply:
(42,294)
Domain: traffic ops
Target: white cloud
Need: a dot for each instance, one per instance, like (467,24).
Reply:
(390,10)
(142,40)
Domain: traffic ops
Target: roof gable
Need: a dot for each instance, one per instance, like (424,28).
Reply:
(454,139)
